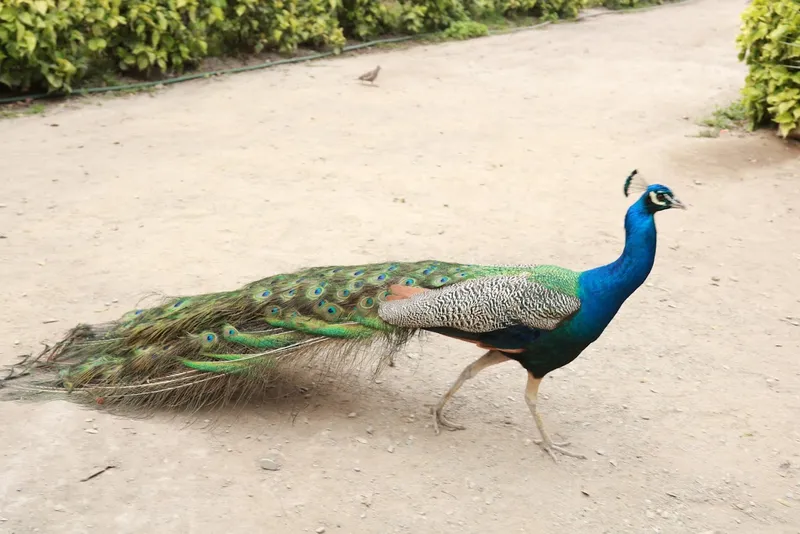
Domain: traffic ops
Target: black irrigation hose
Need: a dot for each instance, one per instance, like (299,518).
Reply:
(198,75)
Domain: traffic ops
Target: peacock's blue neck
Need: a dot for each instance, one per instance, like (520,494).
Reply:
(613,283)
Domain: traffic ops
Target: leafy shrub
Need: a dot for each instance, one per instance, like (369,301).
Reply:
(165,35)
(770,45)
(411,18)
(481,9)
(365,18)
(318,24)
(283,25)
(50,43)
(466,29)
(628,4)
(436,14)
(559,9)
(511,8)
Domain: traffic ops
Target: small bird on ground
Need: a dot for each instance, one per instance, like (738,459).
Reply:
(371,75)
(212,348)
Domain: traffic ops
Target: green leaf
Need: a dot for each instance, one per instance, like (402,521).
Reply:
(54,81)
(25,18)
(66,66)
(8,14)
(786,128)
(785,118)
(97,44)
(240,9)
(40,6)
(30,41)
(6,79)
(142,62)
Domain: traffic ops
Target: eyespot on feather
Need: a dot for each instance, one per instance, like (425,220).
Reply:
(229,331)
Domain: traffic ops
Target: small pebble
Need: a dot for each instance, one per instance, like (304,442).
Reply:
(320,530)
(91,431)
(600,452)
(352,414)
(357,469)
(370,430)
(361,440)
(650,515)
(59,508)
(390,448)
(269,464)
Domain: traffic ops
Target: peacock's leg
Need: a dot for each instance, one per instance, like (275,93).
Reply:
(531,394)
(492,357)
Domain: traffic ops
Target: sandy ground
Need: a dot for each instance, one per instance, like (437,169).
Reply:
(505,149)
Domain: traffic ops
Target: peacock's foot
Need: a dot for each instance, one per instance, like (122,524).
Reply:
(439,420)
(557,444)
(551,448)
(547,444)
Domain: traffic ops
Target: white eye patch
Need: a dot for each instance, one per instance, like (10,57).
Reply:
(654,199)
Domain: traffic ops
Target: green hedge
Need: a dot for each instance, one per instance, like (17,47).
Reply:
(54,44)
(770,44)
(625,4)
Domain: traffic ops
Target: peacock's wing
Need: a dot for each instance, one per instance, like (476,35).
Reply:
(483,305)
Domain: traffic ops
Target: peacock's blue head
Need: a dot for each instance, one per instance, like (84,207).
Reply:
(655,197)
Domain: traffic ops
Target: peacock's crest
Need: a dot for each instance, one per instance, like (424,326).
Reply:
(635,183)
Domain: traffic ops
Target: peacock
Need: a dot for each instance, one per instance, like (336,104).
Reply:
(213,347)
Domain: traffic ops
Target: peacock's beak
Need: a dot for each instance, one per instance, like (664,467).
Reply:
(675,203)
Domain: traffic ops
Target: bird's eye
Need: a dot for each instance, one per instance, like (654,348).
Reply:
(661,196)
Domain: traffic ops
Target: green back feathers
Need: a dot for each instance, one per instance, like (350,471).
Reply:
(556,278)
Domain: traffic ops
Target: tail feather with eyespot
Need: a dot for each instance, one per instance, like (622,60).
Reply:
(210,348)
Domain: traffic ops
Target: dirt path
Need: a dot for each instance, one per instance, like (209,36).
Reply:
(505,149)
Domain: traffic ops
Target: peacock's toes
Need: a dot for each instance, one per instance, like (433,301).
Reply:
(551,448)
(439,420)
